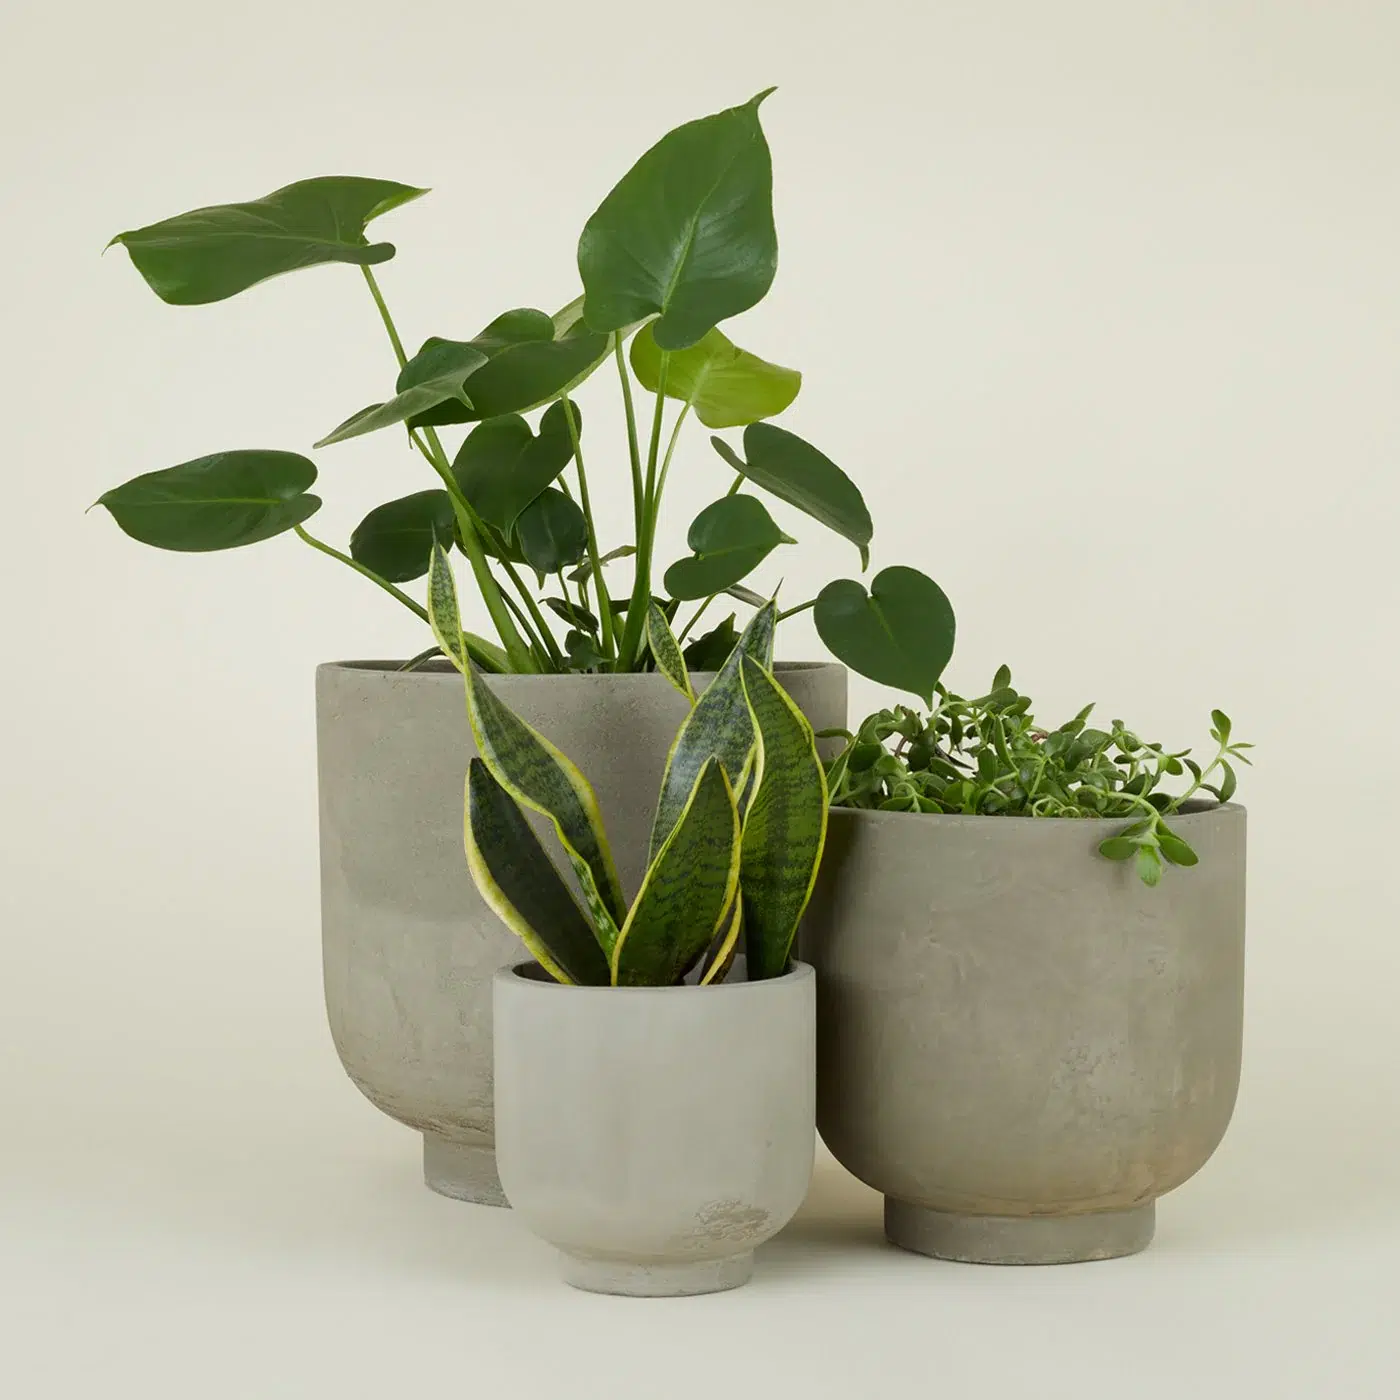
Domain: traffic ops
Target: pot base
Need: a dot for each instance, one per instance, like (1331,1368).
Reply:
(1013,1239)
(656,1280)
(464,1172)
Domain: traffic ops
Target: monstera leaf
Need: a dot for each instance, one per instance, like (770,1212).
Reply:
(396,539)
(502,465)
(726,386)
(214,253)
(731,538)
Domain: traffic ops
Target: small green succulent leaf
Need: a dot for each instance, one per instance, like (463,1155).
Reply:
(666,651)
(784,824)
(687,891)
(214,253)
(727,387)
(718,726)
(218,502)
(1149,865)
(520,885)
(1229,783)
(710,650)
(687,234)
(1221,722)
(584,572)
(434,375)
(730,538)
(899,634)
(552,532)
(1175,848)
(537,775)
(796,472)
(396,540)
(1118,848)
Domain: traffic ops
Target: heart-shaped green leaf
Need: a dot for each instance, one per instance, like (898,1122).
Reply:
(687,891)
(795,472)
(784,825)
(687,233)
(519,883)
(552,532)
(218,502)
(502,466)
(434,375)
(726,386)
(900,633)
(210,254)
(731,538)
(396,539)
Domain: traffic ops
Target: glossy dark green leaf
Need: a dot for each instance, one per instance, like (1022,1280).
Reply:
(666,651)
(795,472)
(584,572)
(687,891)
(552,532)
(434,375)
(519,883)
(900,634)
(502,465)
(217,502)
(731,538)
(396,539)
(726,386)
(687,233)
(582,651)
(213,253)
(784,825)
(573,613)
(711,649)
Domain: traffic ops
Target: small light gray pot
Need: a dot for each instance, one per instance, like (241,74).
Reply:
(1019,1043)
(409,948)
(655,1135)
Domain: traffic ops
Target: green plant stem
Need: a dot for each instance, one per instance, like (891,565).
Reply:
(695,617)
(545,636)
(800,608)
(670,452)
(736,484)
(633,449)
(630,648)
(420,612)
(604,604)
(520,656)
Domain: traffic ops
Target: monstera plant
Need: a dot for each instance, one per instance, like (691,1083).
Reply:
(683,242)
(735,846)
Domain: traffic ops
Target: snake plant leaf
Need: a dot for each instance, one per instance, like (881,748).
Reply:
(666,651)
(396,540)
(726,386)
(434,375)
(222,501)
(718,726)
(552,532)
(796,472)
(899,634)
(541,778)
(214,253)
(784,825)
(444,614)
(520,885)
(502,465)
(720,958)
(688,889)
(731,537)
(687,234)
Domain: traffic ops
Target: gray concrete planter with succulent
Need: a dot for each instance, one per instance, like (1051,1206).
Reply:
(1022,1043)
(654,1110)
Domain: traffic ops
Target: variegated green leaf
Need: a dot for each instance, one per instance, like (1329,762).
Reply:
(721,956)
(518,881)
(443,612)
(666,651)
(541,778)
(784,826)
(718,726)
(687,891)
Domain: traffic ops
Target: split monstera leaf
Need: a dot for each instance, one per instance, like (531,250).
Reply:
(735,847)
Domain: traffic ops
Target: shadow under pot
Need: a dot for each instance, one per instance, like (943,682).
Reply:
(1019,1043)
(656,1136)
(409,949)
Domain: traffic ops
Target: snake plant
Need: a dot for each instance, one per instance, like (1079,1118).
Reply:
(737,839)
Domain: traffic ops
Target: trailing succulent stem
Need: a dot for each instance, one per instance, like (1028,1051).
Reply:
(988,757)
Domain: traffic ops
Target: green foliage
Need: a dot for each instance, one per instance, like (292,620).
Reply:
(666,651)
(684,241)
(988,757)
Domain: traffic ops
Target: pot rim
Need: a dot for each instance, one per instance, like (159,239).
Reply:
(1208,809)
(440,669)
(513,974)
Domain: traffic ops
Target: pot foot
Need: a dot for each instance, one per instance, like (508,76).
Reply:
(660,1280)
(462,1171)
(1013,1239)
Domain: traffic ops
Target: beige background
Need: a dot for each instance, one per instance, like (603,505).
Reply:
(1101,305)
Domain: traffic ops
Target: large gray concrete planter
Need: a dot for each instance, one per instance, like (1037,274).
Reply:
(655,1135)
(409,948)
(1020,1044)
